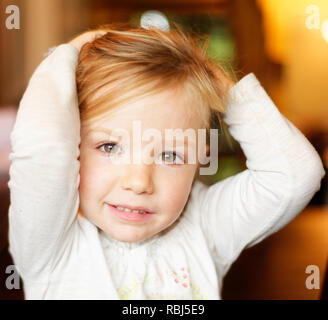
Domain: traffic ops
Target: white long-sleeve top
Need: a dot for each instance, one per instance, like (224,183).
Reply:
(62,255)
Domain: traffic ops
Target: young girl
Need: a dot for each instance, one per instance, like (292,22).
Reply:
(84,224)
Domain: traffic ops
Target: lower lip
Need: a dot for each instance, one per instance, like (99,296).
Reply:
(129,216)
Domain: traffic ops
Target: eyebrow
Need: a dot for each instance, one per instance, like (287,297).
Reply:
(97,133)
(110,132)
(99,130)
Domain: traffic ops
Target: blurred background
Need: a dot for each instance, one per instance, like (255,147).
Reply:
(284,42)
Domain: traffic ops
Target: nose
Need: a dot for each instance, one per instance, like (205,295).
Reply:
(138,178)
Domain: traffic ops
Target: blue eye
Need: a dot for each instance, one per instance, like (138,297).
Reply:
(110,148)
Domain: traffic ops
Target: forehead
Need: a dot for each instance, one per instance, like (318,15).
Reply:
(164,110)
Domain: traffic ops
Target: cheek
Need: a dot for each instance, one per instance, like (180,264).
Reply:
(85,182)
(177,191)
(97,177)
(90,178)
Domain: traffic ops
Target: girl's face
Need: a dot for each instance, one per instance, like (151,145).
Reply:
(107,180)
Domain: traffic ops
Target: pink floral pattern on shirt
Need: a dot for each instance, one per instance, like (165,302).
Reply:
(180,277)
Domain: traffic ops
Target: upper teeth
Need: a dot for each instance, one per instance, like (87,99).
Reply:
(129,210)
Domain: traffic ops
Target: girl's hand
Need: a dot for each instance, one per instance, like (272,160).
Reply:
(86,37)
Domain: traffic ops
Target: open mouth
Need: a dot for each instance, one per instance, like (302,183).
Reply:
(131,210)
(130,214)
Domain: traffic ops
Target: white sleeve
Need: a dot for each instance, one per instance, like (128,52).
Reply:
(44,171)
(283,173)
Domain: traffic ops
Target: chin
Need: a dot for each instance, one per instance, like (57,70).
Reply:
(128,237)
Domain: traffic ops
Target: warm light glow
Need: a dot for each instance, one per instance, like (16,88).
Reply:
(282,17)
(324,30)
(296,36)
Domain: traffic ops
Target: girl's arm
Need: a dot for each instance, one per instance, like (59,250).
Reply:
(44,172)
(284,172)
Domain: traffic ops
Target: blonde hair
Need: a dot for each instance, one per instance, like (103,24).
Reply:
(129,62)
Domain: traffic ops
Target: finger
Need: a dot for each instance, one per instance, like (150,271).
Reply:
(86,37)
